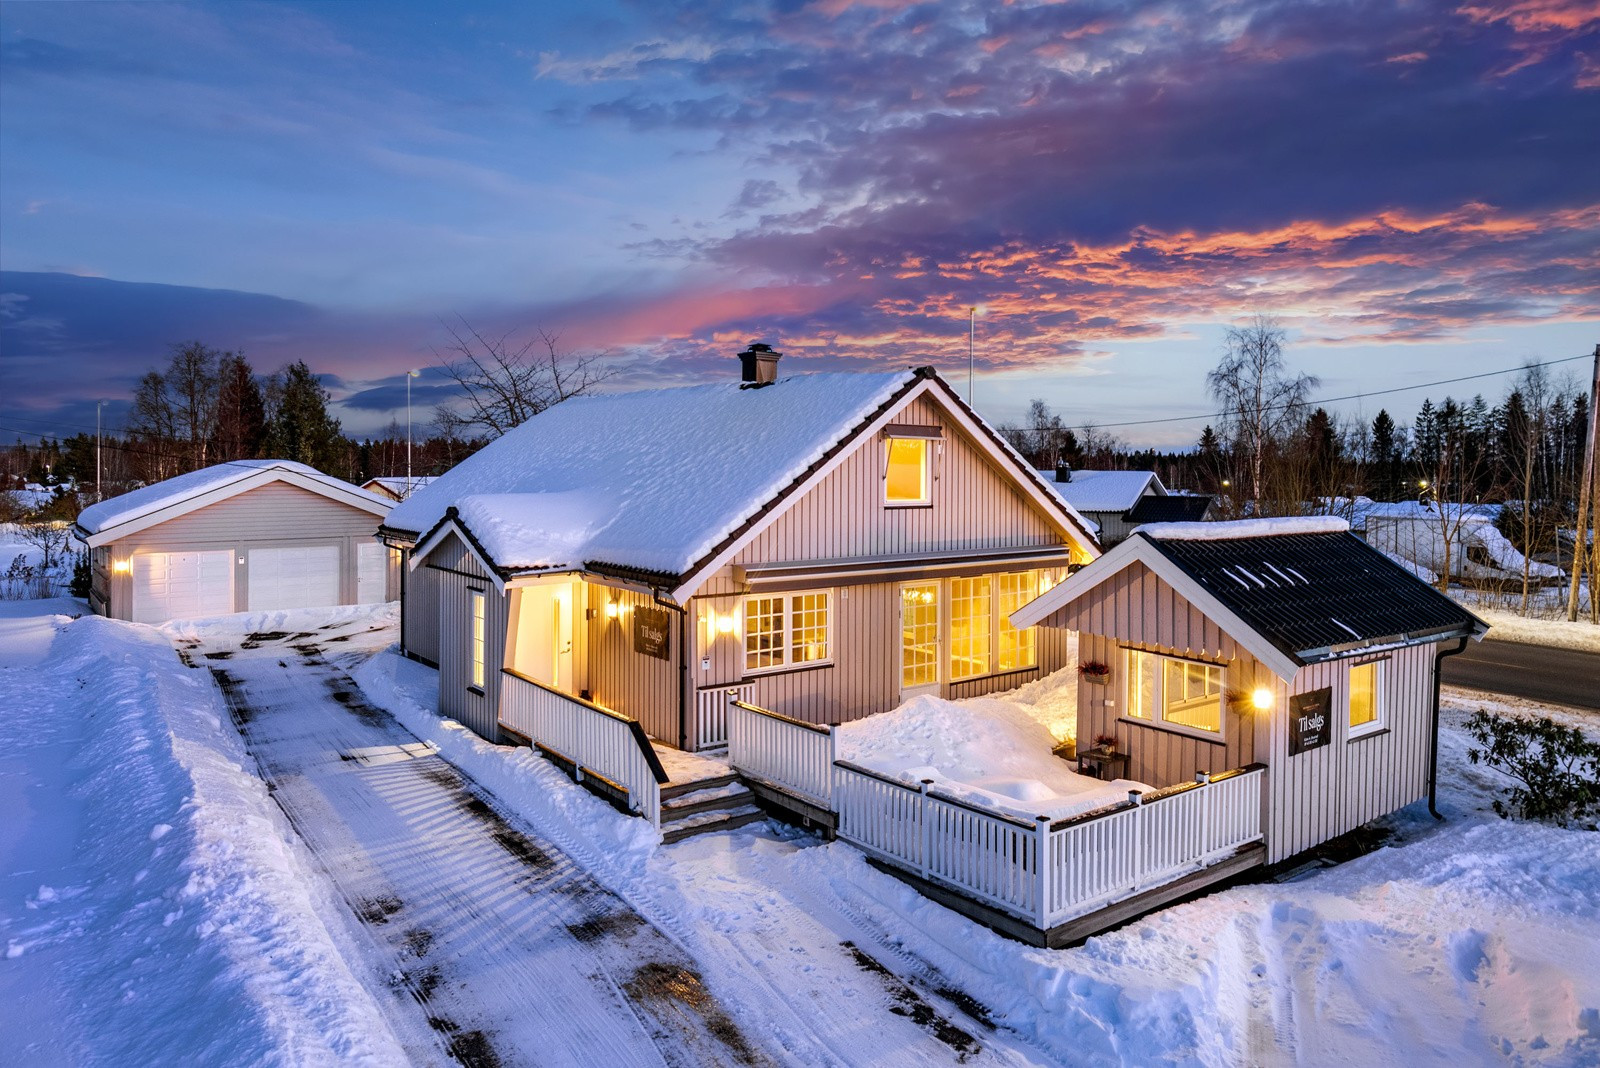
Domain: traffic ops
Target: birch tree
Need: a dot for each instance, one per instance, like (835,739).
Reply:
(1262,400)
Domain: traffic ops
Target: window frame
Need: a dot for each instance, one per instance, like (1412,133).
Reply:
(1161,723)
(477,640)
(1379,722)
(786,647)
(927,444)
(991,635)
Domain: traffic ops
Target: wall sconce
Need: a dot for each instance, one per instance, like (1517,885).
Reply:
(613,610)
(122,567)
(724,624)
(1261,699)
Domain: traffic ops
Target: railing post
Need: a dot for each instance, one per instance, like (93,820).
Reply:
(924,831)
(1207,801)
(1041,853)
(833,759)
(1139,865)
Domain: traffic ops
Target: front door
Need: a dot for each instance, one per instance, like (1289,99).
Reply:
(544,635)
(919,639)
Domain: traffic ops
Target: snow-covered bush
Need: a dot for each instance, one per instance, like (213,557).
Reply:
(1558,768)
(22,581)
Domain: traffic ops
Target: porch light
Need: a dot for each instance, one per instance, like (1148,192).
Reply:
(121,567)
(1261,699)
(724,624)
(613,610)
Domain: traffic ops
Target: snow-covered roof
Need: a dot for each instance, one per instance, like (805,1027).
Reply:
(651,480)
(1105,491)
(399,485)
(1245,528)
(174,496)
(1360,509)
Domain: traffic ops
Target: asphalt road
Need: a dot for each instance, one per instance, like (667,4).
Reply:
(1537,672)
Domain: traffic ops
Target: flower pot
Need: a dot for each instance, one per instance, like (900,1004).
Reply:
(1098,678)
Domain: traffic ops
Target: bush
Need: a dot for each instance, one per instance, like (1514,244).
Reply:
(81,578)
(1558,768)
(22,581)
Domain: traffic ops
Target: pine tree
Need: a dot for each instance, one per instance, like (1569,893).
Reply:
(301,428)
(241,425)
(1384,456)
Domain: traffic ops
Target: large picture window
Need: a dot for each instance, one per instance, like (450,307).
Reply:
(1016,649)
(1366,698)
(787,630)
(1175,692)
(970,618)
(906,471)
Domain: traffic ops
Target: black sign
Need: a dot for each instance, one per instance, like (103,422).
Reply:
(1310,720)
(651,632)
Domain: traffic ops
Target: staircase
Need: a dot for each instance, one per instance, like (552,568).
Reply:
(706,805)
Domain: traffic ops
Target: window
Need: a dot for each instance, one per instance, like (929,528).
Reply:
(1016,648)
(1179,693)
(919,635)
(787,630)
(906,471)
(1366,692)
(970,616)
(477,649)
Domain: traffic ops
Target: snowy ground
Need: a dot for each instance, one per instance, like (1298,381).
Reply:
(156,907)
(1510,627)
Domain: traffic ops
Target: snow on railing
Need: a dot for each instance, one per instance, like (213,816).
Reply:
(711,713)
(1089,861)
(596,740)
(795,756)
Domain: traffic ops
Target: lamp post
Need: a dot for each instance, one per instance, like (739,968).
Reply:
(409,376)
(973,311)
(98,407)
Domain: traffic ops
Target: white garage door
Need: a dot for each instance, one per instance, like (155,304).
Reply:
(182,585)
(300,577)
(372,573)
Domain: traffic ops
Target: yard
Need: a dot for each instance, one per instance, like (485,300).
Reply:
(156,905)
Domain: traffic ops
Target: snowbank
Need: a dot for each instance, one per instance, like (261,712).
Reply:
(1244,528)
(1510,627)
(154,906)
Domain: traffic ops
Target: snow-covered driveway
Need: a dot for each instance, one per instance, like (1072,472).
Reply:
(498,948)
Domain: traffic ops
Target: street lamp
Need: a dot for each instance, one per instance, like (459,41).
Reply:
(98,406)
(973,311)
(409,376)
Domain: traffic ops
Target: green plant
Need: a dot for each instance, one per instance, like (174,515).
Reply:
(80,575)
(1558,768)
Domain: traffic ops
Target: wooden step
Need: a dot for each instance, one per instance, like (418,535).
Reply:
(730,796)
(678,789)
(711,822)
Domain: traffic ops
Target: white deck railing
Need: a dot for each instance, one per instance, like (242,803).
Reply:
(711,713)
(596,739)
(1088,861)
(793,755)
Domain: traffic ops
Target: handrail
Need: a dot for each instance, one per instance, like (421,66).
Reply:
(1015,821)
(819,728)
(1151,797)
(634,727)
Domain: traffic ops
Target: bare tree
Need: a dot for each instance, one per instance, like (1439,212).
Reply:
(152,427)
(1260,398)
(505,383)
(50,538)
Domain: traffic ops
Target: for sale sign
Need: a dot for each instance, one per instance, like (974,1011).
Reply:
(1310,720)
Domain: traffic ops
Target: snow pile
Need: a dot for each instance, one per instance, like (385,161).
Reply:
(1511,627)
(994,752)
(154,907)
(1416,569)
(1245,528)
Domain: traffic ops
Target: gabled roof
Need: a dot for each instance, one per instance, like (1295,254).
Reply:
(663,483)
(399,485)
(173,497)
(1174,508)
(1292,592)
(1105,491)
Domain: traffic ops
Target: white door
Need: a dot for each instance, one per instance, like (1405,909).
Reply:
(920,648)
(298,577)
(544,635)
(182,585)
(372,573)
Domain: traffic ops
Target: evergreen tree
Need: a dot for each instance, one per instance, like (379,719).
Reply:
(301,428)
(1384,456)
(241,424)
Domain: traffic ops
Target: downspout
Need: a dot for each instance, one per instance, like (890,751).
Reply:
(1433,749)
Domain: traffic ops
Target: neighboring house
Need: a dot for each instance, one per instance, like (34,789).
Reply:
(1285,643)
(1417,532)
(1119,501)
(396,488)
(826,545)
(250,535)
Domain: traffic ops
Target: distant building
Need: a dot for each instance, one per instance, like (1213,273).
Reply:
(396,488)
(1119,501)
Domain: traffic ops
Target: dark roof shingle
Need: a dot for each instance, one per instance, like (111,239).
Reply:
(1175,508)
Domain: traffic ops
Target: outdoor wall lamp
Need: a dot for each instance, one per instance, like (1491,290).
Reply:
(612,610)
(1261,699)
(724,624)
(121,567)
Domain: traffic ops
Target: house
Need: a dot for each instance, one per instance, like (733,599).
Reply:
(397,487)
(1118,501)
(826,545)
(249,535)
(1418,533)
(1289,644)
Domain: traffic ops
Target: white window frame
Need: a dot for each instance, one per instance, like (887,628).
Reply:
(477,640)
(1160,722)
(786,649)
(928,446)
(1380,702)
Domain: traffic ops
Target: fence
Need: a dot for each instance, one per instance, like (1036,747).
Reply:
(711,713)
(796,756)
(596,739)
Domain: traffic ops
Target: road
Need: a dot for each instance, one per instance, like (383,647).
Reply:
(1537,672)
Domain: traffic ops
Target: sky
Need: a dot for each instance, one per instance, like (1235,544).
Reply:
(1410,188)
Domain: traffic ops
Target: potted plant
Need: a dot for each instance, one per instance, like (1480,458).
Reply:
(1106,743)
(1094,671)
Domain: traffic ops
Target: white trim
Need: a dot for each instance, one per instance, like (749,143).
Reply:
(454,526)
(1161,722)
(787,596)
(1380,698)
(1034,487)
(254,478)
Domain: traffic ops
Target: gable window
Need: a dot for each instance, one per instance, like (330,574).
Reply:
(905,480)
(1178,693)
(477,647)
(787,630)
(1366,698)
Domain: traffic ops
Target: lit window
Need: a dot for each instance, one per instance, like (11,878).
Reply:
(1182,693)
(806,619)
(906,477)
(477,638)
(1365,691)
(1017,648)
(969,627)
(919,635)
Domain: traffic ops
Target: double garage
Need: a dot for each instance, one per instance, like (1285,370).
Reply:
(251,537)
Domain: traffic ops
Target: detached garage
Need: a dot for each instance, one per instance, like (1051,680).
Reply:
(246,536)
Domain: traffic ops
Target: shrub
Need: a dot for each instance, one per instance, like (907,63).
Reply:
(81,578)
(1557,767)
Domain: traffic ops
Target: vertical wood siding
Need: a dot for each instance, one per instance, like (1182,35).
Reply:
(455,573)
(626,681)
(270,516)
(420,614)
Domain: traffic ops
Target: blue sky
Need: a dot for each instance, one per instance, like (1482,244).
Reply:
(1409,187)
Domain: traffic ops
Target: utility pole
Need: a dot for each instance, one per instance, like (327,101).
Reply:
(409,376)
(1588,510)
(972,330)
(98,407)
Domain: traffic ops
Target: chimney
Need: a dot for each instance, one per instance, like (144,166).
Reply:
(758,365)
(1063,472)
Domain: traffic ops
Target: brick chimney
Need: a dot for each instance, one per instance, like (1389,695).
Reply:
(758,365)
